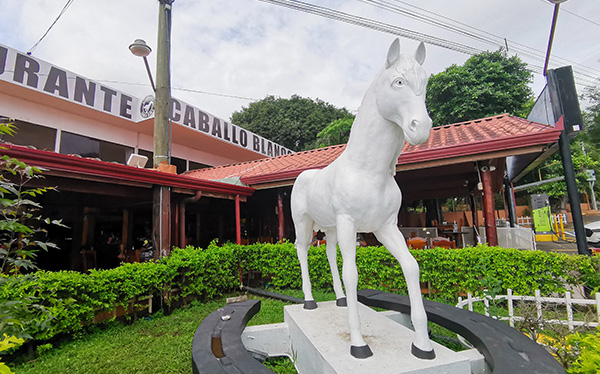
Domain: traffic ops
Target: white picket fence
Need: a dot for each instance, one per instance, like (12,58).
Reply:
(568,301)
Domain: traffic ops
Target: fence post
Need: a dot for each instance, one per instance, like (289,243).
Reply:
(470,300)
(538,303)
(569,310)
(598,306)
(486,302)
(511,312)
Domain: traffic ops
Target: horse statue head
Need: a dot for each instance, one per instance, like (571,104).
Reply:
(400,93)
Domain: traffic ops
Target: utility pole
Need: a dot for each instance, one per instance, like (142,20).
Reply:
(162,122)
(161,207)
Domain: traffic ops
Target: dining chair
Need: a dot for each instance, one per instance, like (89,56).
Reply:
(442,242)
(417,242)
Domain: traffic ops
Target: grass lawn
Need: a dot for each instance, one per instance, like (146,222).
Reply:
(158,344)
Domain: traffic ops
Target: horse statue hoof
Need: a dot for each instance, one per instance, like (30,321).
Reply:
(360,352)
(341,302)
(419,353)
(310,304)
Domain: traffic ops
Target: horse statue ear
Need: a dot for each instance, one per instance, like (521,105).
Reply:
(420,54)
(393,53)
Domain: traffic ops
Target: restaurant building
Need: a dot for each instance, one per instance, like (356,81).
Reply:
(231,184)
(85,133)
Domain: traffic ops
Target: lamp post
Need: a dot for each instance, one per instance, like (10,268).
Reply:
(161,205)
(162,90)
(552,30)
(162,123)
(141,49)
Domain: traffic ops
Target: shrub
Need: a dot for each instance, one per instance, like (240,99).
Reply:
(66,301)
(586,353)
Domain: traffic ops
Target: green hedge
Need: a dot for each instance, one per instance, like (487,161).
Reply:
(74,298)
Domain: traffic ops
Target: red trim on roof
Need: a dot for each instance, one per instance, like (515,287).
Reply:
(483,146)
(478,137)
(113,171)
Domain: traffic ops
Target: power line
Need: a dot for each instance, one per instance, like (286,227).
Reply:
(573,14)
(584,78)
(67,5)
(584,73)
(373,25)
(183,89)
(215,94)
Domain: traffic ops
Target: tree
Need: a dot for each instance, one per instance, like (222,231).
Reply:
(486,85)
(591,115)
(337,132)
(552,168)
(22,228)
(293,123)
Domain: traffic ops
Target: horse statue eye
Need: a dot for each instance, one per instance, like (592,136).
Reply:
(399,82)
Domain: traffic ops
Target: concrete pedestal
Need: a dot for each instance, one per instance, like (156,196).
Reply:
(321,344)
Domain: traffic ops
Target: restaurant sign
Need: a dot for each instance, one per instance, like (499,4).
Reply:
(35,74)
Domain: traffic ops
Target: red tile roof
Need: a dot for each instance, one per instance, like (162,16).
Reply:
(479,136)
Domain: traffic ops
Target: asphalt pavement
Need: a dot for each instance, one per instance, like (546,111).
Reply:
(569,245)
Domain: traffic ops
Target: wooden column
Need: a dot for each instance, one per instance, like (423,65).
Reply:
(475,216)
(281,221)
(238,225)
(491,232)
(162,221)
(182,240)
(125,230)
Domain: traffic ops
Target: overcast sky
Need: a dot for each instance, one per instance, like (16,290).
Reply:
(250,49)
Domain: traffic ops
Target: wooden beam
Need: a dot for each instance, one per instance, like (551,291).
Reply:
(491,232)
(281,225)
(238,224)
(161,218)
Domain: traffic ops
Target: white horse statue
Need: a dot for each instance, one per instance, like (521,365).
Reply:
(357,192)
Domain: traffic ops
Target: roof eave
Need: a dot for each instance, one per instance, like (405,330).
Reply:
(76,165)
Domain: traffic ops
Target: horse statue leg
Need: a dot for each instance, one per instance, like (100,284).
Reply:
(304,228)
(393,240)
(335,274)
(346,231)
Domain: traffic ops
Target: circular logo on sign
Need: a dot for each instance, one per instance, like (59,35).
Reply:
(147,107)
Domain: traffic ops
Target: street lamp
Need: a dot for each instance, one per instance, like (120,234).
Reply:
(161,204)
(141,49)
(552,29)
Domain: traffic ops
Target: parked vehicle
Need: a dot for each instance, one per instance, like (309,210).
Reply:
(592,232)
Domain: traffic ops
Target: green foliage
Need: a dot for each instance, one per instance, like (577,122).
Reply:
(585,350)
(22,315)
(6,343)
(22,232)
(293,123)
(281,365)
(68,301)
(204,273)
(582,161)
(337,132)
(591,115)
(158,344)
(486,85)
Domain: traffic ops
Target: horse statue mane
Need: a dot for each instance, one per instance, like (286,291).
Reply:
(357,192)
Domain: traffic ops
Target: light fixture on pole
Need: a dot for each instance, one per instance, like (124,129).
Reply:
(161,203)
(552,29)
(141,49)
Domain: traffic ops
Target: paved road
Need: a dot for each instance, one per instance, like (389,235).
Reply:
(569,245)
